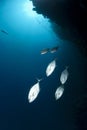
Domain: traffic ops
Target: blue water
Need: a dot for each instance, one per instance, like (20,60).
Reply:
(21,63)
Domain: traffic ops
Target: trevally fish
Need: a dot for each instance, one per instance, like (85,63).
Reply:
(54,49)
(59,92)
(44,51)
(50,68)
(64,76)
(34,91)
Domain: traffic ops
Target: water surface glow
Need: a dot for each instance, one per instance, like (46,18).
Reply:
(22,23)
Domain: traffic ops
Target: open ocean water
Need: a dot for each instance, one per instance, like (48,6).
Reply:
(21,63)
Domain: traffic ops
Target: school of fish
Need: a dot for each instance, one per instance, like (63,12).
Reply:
(52,50)
(35,89)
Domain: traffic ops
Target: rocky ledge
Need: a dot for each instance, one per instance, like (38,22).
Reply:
(70,15)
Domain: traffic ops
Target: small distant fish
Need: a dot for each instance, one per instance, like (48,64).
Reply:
(3,31)
(50,68)
(64,76)
(54,49)
(44,51)
(59,92)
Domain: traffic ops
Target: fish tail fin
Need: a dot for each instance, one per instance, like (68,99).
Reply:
(62,85)
(39,79)
(56,59)
(67,67)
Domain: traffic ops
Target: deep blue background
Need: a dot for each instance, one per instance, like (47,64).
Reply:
(21,63)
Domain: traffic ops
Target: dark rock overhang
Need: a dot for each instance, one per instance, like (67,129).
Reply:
(68,14)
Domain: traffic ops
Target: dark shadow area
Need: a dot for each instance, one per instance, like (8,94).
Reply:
(69,15)
(80,111)
(69,22)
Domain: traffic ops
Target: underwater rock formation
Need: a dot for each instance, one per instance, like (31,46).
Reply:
(70,15)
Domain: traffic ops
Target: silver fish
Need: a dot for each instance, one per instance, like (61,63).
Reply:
(50,68)
(34,91)
(44,51)
(54,49)
(59,92)
(64,76)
